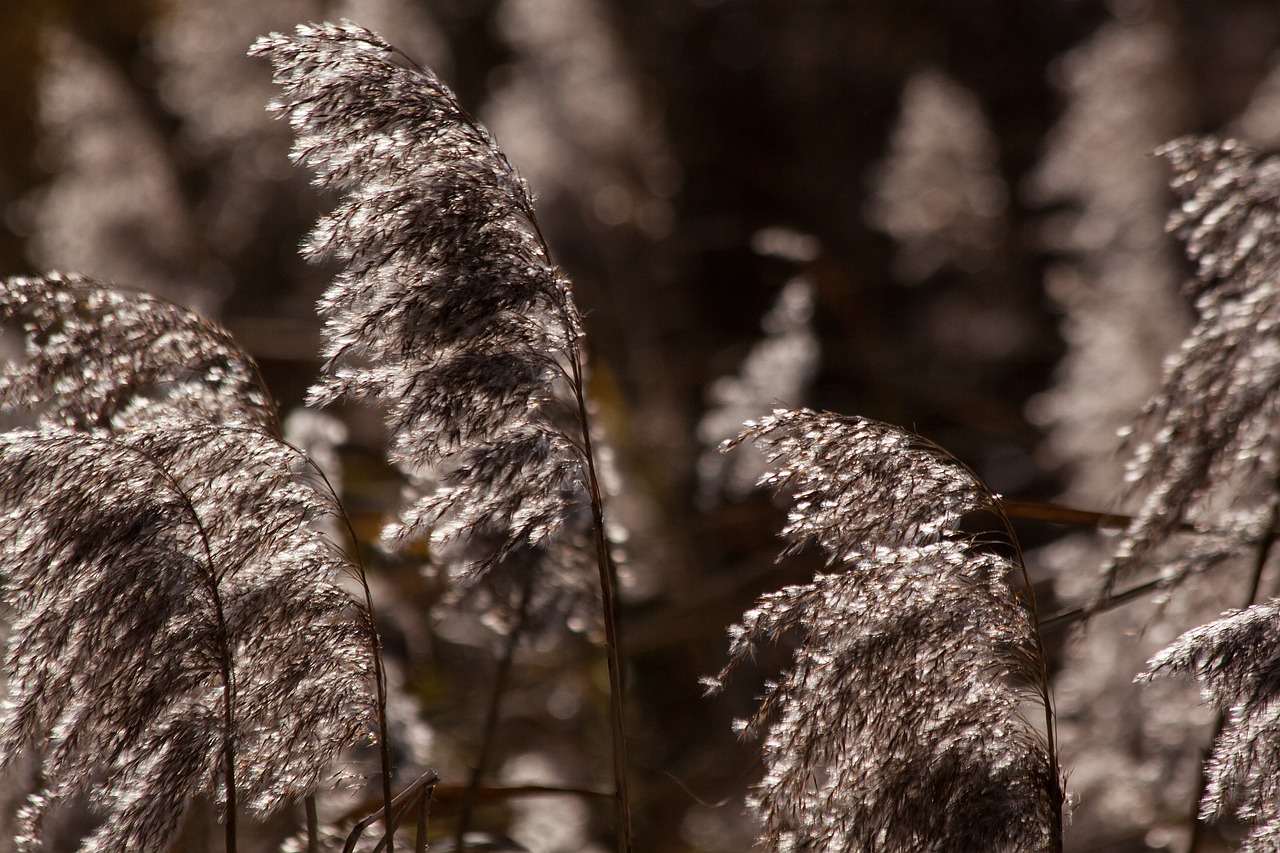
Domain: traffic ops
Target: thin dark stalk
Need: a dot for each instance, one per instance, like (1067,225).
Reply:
(1261,558)
(1068,617)
(225,665)
(313,824)
(375,641)
(1050,722)
(1042,660)
(608,593)
(379,675)
(228,721)
(1046,695)
(400,805)
(420,837)
(489,735)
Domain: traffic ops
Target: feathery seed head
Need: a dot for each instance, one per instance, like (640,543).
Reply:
(101,356)
(1236,660)
(858,483)
(1203,452)
(174,602)
(899,725)
(447,311)
(147,567)
(1205,439)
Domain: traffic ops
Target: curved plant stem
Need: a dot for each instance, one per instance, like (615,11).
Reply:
(380,684)
(511,641)
(1042,660)
(609,598)
(228,711)
(375,648)
(375,640)
(225,666)
(1046,695)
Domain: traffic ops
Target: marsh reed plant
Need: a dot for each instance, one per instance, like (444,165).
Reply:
(189,619)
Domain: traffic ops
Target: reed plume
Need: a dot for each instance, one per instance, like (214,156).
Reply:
(1206,458)
(178,625)
(1204,451)
(449,314)
(1236,660)
(99,356)
(898,725)
(447,311)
